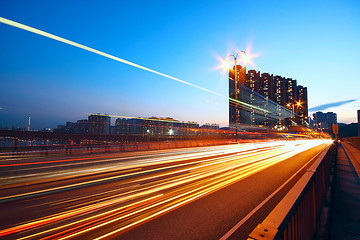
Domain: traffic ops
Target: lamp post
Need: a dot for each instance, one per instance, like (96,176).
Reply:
(292,113)
(235,68)
(298,104)
(235,81)
(235,73)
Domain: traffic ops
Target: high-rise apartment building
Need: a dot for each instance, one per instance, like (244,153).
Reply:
(324,120)
(154,127)
(234,94)
(290,91)
(247,106)
(240,74)
(302,109)
(122,126)
(254,91)
(252,80)
(266,86)
(99,124)
(81,126)
(279,86)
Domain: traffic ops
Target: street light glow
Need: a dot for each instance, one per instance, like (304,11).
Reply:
(246,58)
(226,64)
(241,56)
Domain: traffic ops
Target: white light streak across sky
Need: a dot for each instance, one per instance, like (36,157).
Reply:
(63,40)
(181,45)
(60,39)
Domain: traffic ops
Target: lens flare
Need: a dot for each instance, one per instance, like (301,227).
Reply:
(246,58)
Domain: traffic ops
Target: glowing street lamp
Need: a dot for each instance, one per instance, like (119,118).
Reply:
(293,113)
(245,59)
(298,104)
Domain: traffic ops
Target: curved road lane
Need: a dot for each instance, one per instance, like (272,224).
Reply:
(212,216)
(193,193)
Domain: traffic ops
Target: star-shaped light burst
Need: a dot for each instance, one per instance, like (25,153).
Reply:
(241,58)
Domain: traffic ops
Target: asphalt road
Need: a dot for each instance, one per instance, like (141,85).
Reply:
(192,193)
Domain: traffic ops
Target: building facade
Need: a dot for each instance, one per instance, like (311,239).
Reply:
(266,86)
(234,92)
(154,127)
(252,80)
(99,124)
(324,120)
(249,108)
(279,95)
(302,108)
(290,91)
(264,99)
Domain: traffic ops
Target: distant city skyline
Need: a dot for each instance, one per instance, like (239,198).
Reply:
(314,43)
(100,124)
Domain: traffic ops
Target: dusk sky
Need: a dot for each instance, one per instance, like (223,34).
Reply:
(314,42)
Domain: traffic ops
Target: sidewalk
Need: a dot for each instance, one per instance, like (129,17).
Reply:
(345,207)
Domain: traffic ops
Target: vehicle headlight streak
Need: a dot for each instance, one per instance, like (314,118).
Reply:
(154,192)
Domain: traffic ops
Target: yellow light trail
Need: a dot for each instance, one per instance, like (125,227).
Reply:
(157,190)
(133,165)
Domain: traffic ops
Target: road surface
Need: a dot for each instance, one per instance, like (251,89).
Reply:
(191,193)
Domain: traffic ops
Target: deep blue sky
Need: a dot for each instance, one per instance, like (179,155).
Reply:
(315,42)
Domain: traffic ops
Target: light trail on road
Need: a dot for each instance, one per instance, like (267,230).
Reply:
(103,196)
